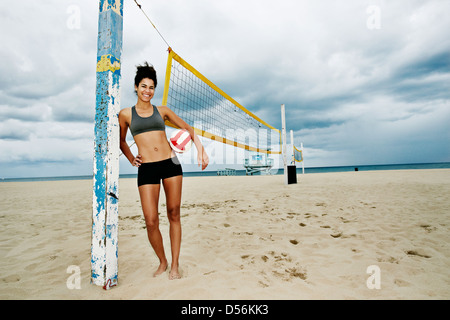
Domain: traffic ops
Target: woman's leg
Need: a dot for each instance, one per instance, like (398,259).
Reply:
(149,200)
(172,188)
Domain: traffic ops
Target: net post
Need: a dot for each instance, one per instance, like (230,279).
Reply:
(167,79)
(283,137)
(303,162)
(105,213)
(292,147)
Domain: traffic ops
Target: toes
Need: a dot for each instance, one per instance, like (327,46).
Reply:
(174,276)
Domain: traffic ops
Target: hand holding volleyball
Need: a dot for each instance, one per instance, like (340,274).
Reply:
(181,141)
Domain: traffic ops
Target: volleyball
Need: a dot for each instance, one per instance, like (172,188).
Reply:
(180,141)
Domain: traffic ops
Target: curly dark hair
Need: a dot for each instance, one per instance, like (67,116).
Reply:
(145,71)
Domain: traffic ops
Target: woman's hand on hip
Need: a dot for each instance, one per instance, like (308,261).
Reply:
(137,161)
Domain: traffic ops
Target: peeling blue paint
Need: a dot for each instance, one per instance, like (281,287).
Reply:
(108,21)
(108,232)
(110,4)
(104,252)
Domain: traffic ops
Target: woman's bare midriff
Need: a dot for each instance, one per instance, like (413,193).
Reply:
(153,146)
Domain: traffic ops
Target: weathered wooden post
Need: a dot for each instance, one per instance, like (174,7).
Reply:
(105,215)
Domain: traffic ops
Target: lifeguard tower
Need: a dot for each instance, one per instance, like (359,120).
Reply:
(258,162)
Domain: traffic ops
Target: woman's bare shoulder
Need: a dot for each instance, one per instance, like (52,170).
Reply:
(125,114)
(163,110)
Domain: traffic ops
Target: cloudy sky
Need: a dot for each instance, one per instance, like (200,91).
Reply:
(364,82)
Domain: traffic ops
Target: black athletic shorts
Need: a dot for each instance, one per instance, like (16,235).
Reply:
(154,172)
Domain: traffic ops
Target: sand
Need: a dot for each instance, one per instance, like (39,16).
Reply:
(243,238)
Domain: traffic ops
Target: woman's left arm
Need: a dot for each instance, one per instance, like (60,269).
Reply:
(202,156)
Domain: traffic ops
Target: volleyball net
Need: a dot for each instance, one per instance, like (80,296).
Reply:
(298,155)
(212,113)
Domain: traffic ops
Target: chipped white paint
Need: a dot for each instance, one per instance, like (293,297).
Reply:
(105,213)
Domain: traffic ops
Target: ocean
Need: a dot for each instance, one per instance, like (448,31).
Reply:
(412,166)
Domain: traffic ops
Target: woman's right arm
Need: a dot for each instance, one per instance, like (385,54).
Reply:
(124,115)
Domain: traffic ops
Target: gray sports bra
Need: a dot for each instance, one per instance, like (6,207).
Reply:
(140,125)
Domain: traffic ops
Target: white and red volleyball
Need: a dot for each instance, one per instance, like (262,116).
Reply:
(180,141)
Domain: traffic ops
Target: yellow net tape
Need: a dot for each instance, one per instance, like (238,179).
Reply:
(212,113)
(298,155)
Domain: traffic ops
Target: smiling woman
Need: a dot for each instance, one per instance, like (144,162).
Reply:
(157,163)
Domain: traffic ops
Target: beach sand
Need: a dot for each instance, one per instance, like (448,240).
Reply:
(243,238)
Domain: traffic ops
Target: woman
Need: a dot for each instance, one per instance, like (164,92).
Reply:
(156,162)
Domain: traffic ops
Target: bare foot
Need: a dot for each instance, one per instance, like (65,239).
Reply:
(161,269)
(174,274)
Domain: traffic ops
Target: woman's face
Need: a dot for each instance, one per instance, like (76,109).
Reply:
(145,90)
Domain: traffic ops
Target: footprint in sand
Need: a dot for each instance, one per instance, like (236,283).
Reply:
(321,204)
(427,227)
(296,273)
(401,283)
(344,220)
(419,254)
(336,235)
(11,278)
(280,265)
